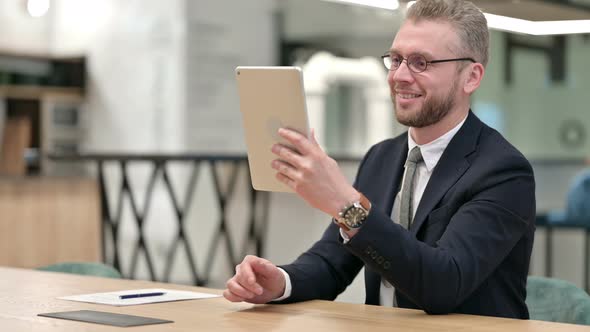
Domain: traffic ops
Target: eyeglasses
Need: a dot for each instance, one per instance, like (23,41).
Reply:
(416,62)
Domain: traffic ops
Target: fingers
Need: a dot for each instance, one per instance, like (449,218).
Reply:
(232,297)
(265,269)
(303,145)
(243,285)
(246,277)
(286,154)
(285,169)
(236,292)
(244,272)
(286,180)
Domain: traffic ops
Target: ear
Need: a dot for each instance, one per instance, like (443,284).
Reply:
(474,77)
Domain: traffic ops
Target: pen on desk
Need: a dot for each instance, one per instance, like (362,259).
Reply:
(133,296)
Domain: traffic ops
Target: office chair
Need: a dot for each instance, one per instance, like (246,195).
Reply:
(84,268)
(577,211)
(576,215)
(578,199)
(556,300)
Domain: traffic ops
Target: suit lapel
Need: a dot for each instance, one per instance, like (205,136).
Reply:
(451,166)
(389,173)
(392,176)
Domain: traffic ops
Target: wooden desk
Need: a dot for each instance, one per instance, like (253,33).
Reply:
(25,293)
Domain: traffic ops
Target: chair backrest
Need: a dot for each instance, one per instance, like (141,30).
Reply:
(84,268)
(578,198)
(556,300)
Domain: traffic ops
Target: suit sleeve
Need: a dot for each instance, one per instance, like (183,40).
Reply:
(326,269)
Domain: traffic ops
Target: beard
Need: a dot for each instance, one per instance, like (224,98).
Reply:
(434,109)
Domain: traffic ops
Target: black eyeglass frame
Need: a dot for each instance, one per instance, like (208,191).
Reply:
(388,55)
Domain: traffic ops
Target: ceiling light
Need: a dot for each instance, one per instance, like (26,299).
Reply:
(498,22)
(538,28)
(383,4)
(37,8)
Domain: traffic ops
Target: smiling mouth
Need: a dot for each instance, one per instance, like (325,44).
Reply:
(408,95)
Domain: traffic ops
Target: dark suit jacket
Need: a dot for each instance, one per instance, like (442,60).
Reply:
(469,246)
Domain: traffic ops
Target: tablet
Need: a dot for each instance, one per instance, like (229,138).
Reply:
(270,98)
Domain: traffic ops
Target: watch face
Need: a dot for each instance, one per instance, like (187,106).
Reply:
(355,216)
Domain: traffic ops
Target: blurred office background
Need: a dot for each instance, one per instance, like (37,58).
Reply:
(122,140)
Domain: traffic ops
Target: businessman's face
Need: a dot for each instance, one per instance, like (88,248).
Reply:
(423,98)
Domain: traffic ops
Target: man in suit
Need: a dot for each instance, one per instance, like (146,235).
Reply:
(441,217)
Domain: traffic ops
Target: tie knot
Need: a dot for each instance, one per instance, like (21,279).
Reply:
(415,156)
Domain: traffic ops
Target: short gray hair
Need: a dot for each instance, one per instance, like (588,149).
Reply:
(468,21)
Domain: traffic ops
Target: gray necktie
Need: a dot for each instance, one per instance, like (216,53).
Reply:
(406,215)
(404,207)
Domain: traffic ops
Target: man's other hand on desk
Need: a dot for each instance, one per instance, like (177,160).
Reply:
(257,280)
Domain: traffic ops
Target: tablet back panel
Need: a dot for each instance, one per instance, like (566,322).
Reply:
(270,98)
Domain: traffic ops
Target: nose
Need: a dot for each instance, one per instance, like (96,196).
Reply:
(401,74)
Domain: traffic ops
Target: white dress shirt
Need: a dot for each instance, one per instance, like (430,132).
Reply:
(431,153)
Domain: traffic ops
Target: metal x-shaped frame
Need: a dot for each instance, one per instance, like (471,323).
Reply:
(257,222)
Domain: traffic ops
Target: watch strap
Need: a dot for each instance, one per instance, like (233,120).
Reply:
(365,202)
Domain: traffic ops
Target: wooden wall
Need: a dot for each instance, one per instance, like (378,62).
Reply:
(48,220)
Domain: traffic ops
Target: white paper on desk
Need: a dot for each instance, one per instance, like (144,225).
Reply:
(112,298)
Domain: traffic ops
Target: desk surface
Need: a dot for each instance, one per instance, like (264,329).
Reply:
(26,293)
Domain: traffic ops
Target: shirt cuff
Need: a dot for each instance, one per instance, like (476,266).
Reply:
(288,287)
(345,237)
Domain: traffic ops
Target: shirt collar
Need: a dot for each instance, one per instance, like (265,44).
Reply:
(431,152)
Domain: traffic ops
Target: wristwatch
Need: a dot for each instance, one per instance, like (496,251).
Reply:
(353,215)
